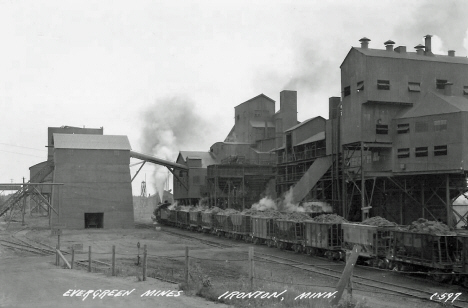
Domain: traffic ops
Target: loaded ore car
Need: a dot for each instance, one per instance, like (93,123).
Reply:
(424,251)
(222,225)
(375,241)
(195,220)
(461,266)
(241,226)
(263,230)
(323,239)
(172,217)
(207,220)
(289,234)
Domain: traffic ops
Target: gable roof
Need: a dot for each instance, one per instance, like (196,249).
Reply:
(91,142)
(207,158)
(303,123)
(434,103)
(254,98)
(382,53)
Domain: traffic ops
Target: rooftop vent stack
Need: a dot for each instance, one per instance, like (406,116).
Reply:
(401,49)
(448,89)
(428,44)
(389,45)
(364,42)
(451,53)
(419,49)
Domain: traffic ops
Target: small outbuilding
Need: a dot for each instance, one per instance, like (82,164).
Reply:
(97,190)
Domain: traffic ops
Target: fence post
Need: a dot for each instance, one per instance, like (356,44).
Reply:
(251,267)
(186,266)
(73,257)
(113,260)
(57,260)
(89,259)
(144,263)
(347,272)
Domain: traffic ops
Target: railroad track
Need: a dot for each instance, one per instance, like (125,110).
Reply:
(406,290)
(185,236)
(24,246)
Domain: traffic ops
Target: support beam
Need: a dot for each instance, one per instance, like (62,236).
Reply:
(138,171)
(178,179)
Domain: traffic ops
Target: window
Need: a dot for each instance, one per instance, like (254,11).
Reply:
(421,152)
(403,153)
(440,150)
(360,86)
(440,83)
(421,127)
(403,128)
(381,129)
(347,91)
(440,125)
(465,90)
(414,86)
(383,84)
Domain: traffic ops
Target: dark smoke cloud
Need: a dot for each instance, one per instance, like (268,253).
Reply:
(446,19)
(170,125)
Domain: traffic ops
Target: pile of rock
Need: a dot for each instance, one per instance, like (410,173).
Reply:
(433,227)
(378,221)
(329,218)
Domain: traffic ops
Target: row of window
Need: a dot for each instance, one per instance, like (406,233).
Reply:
(412,86)
(419,127)
(439,150)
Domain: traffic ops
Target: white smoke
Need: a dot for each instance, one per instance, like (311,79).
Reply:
(170,125)
(265,203)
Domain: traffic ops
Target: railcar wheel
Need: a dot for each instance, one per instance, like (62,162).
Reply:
(255,241)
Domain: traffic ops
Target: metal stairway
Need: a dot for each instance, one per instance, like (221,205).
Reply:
(310,178)
(27,189)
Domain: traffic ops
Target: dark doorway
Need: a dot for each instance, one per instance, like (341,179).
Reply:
(94,220)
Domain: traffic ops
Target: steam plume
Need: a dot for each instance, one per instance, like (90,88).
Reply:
(170,125)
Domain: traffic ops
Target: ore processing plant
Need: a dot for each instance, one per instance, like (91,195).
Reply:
(394,145)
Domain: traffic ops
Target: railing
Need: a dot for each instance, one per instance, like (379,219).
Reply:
(307,154)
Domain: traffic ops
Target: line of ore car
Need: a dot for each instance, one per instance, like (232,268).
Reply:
(445,257)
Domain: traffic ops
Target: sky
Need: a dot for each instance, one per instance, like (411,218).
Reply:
(168,74)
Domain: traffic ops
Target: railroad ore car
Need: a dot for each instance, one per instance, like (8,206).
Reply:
(323,238)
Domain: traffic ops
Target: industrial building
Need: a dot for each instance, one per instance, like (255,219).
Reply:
(97,188)
(393,146)
(236,171)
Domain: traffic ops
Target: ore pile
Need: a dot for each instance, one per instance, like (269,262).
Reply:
(269,214)
(213,210)
(329,218)
(379,222)
(296,216)
(433,227)
(249,212)
(228,212)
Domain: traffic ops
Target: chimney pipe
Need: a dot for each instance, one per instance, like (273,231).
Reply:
(364,42)
(428,44)
(401,49)
(389,45)
(419,49)
(448,89)
(451,53)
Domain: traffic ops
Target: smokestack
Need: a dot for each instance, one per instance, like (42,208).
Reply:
(288,108)
(428,44)
(389,45)
(419,49)
(448,89)
(451,53)
(364,42)
(401,49)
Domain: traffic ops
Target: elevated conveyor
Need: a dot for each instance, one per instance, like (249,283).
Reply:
(315,172)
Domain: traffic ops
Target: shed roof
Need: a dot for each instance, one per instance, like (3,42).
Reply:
(435,103)
(91,142)
(314,138)
(207,158)
(383,53)
(303,123)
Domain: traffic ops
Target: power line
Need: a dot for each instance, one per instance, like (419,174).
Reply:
(19,146)
(21,153)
